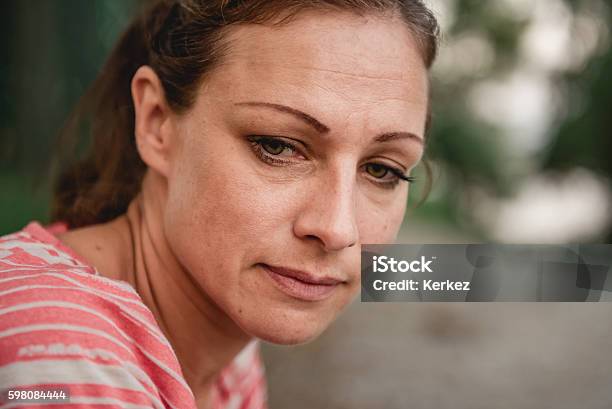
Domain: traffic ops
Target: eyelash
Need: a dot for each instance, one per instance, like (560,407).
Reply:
(257,143)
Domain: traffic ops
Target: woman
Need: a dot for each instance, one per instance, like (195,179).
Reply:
(242,152)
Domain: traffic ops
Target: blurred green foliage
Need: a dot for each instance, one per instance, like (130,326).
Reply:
(470,152)
(52,51)
(585,138)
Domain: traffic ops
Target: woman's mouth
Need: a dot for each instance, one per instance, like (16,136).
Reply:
(301,284)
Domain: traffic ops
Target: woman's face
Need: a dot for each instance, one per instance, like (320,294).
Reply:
(289,160)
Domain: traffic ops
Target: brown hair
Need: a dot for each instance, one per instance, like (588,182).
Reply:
(181,40)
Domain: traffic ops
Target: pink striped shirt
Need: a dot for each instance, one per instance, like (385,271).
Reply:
(63,325)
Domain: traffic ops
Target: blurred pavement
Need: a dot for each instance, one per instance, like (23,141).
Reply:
(451,356)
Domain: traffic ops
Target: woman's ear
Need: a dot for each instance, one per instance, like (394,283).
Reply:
(153,120)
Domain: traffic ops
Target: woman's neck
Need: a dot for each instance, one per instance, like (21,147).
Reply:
(133,248)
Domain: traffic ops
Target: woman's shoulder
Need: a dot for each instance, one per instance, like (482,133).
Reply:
(33,260)
(61,323)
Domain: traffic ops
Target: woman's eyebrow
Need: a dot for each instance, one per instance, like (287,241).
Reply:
(321,128)
(391,136)
(318,126)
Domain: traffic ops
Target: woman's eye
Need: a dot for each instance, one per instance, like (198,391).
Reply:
(273,150)
(386,176)
(376,170)
(273,146)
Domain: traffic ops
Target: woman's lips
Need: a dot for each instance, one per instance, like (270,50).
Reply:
(300,284)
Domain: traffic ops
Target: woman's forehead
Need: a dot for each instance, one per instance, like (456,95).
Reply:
(369,46)
(341,62)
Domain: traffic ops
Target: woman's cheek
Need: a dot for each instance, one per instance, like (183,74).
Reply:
(223,214)
(380,225)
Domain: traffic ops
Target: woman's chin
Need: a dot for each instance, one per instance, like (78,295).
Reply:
(287,328)
(288,336)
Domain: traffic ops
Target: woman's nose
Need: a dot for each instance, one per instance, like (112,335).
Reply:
(328,214)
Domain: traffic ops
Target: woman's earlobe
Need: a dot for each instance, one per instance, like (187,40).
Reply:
(151,119)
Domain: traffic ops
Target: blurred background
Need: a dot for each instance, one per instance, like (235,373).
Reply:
(522,153)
